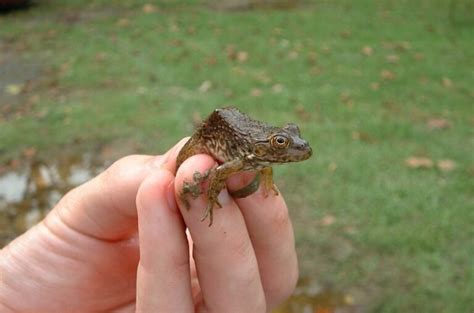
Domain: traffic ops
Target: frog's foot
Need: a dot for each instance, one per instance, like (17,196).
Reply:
(209,210)
(194,188)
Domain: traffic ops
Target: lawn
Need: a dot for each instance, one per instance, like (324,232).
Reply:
(383,91)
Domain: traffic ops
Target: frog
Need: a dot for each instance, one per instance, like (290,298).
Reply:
(239,143)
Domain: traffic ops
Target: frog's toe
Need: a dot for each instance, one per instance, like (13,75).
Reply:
(208,213)
(275,190)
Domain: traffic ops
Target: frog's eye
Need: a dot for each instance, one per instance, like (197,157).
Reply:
(279,141)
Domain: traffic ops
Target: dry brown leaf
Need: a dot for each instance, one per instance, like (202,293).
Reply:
(205,86)
(123,22)
(419,162)
(367,51)
(293,55)
(446,165)
(328,220)
(392,58)
(447,83)
(315,70)
(312,57)
(277,88)
(242,56)
(149,8)
(346,33)
(438,123)
(13,89)
(419,56)
(256,92)
(101,56)
(302,113)
(387,75)
(375,86)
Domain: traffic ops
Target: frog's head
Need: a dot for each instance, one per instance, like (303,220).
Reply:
(282,145)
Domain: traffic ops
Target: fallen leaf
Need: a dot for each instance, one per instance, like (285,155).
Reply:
(328,220)
(242,56)
(419,56)
(387,75)
(211,60)
(375,86)
(123,22)
(141,90)
(346,33)
(13,89)
(367,51)
(419,162)
(277,88)
(315,70)
(332,166)
(293,55)
(438,123)
(256,92)
(446,165)
(205,86)
(101,56)
(312,57)
(447,83)
(302,113)
(392,58)
(149,8)
(326,49)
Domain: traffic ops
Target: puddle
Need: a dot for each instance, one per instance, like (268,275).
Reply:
(28,192)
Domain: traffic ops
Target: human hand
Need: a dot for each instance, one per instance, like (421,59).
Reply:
(84,256)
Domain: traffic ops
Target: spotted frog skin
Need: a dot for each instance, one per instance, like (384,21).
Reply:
(239,143)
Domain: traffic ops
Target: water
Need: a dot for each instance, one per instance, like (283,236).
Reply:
(28,192)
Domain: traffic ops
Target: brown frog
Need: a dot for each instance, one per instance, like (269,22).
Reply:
(239,143)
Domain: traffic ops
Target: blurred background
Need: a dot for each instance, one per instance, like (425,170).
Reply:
(383,91)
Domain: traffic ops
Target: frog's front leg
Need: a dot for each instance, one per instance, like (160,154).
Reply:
(217,178)
(267,180)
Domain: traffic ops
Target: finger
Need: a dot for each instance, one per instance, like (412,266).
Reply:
(272,237)
(105,207)
(225,261)
(163,281)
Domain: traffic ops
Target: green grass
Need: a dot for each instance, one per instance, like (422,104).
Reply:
(402,239)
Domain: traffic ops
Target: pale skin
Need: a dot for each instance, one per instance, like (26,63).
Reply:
(118,244)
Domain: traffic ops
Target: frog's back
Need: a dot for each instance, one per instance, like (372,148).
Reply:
(229,133)
(231,121)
